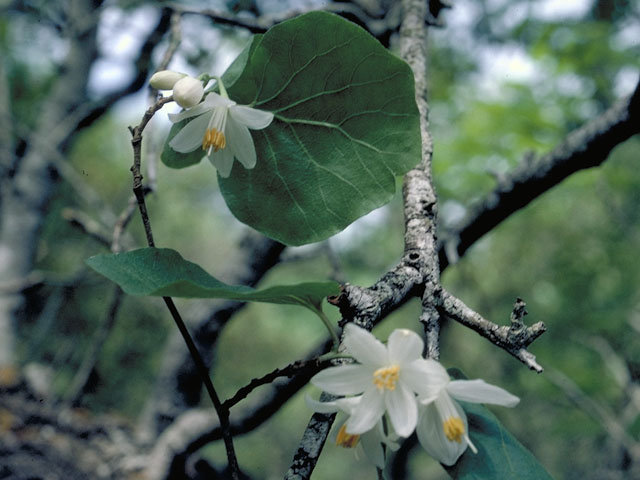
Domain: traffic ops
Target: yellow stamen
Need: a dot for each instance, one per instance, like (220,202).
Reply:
(454,429)
(386,377)
(213,139)
(345,439)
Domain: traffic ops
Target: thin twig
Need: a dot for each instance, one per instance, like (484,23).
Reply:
(86,224)
(136,142)
(311,366)
(138,190)
(514,338)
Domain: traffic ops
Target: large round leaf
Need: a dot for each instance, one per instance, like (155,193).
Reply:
(346,124)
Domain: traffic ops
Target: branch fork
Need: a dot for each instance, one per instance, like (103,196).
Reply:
(514,338)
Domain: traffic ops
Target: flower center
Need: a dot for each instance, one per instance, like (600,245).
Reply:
(385,378)
(454,429)
(213,139)
(345,439)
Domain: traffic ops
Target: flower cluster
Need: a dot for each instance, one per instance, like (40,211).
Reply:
(395,383)
(218,125)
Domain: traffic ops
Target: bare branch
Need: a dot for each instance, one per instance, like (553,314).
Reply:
(87,225)
(420,200)
(310,446)
(514,338)
(311,366)
(586,147)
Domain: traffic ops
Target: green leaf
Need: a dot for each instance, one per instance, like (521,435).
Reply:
(346,124)
(500,455)
(163,272)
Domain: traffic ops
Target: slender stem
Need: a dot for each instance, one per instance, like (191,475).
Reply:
(327,323)
(138,190)
(223,413)
(223,91)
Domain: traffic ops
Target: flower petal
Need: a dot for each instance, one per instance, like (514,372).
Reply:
(369,411)
(347,405)
(211,101)
(404,346)
(344,380)
(437,378)
(199,109)
(431,435)
(214,100)
(189,138)
(223,161)
(403,410)
(364,347)
(479,391)
(422,379)
(252,117)
(240,142)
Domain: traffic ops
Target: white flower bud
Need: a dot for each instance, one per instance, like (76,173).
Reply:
(188,91)
(165,79)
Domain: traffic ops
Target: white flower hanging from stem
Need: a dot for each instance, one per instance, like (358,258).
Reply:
(443,430)
(221,128)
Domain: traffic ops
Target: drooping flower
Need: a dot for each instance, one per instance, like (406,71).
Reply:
(388,377)
(372,442)
(188,91)
(221,129)
(165,79)
(442,429)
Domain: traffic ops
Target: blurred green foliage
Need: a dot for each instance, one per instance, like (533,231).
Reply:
(571,255)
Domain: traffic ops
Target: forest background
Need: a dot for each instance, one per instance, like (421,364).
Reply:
(507,82)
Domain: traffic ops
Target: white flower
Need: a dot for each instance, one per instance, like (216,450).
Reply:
(221,128)
(188,91)
(165,79)
(443,429)
(372,442)
(387,377)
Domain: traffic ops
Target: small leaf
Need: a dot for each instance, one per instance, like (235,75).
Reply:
(500,455)
(163,272)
